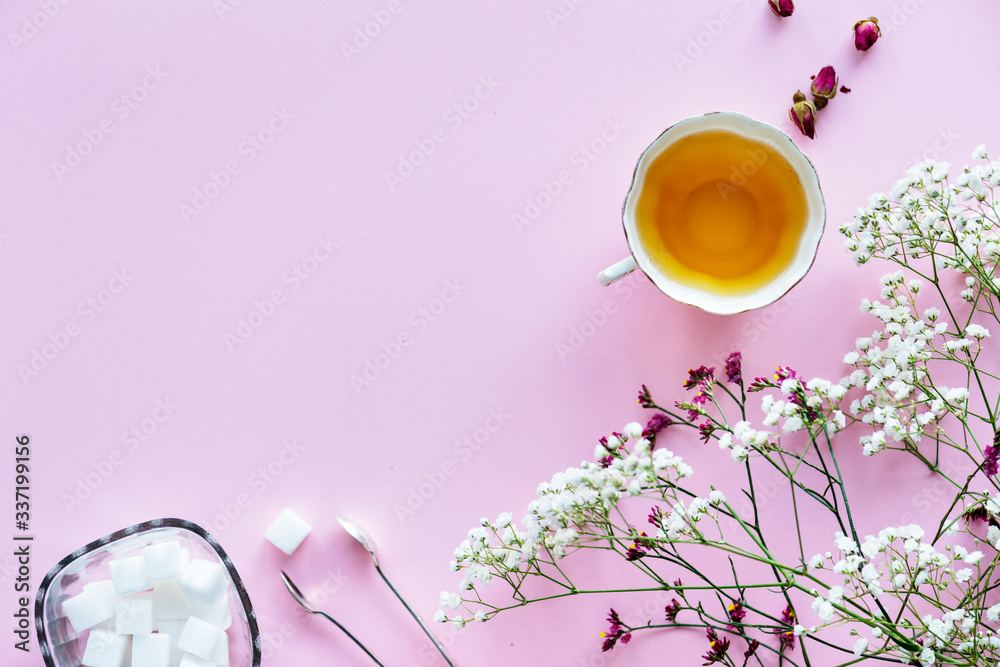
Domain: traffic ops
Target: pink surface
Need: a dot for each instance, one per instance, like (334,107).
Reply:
(228,336)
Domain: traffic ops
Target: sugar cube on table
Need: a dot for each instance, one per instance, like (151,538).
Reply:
(188,660)
(203,582)
(105,649)
(162,560)
(152,650)
(134,615)
(200,638)
(169,601)
(287,531)
(89,608)
(128,575)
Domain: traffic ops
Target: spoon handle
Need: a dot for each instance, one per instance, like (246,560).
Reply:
(416,616)
(350,636)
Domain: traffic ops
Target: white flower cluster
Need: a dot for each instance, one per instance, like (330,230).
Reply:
(900,562)
(744,439)
(573,502)
(891,365)
(926,215)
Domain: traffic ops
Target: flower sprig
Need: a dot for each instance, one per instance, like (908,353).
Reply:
(917,386)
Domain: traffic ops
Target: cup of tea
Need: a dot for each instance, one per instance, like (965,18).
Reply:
(725,213)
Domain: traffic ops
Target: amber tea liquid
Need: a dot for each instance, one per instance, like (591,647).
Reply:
(721,212)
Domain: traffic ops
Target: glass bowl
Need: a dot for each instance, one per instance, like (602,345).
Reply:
(61,646)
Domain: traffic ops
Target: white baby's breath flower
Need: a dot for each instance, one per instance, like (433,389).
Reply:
(940,171)
(976,331)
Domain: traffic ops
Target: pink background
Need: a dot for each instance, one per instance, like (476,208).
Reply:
(514,340)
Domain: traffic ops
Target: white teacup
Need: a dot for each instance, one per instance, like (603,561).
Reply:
(681,230)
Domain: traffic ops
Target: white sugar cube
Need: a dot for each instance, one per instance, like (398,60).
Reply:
(162,560)
(217,614)
(171,626)
(105,649)
(203,582)
(169,601)
(129,575)
(135,615)
(172,629)
(287,531)
(89,608)
(109,624)
(104,587)
(188,660)
(200,638)
(151,650)
(221,656)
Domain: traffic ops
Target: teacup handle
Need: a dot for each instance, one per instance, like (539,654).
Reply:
(617,270)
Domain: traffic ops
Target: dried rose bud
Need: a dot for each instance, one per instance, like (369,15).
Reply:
(781,7)
(803,114)
(866,33)
(825,83)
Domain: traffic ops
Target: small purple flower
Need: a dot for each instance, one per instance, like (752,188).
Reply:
(693,411)
(980,513)
(991,464)
(697,376)
(781,8)
(615,632)
(734,368)
(717,648)
(803,114)
(866,33)
(786,634)
(736,614)
(705,430)
(657,423)
(672,610)
(645,399)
